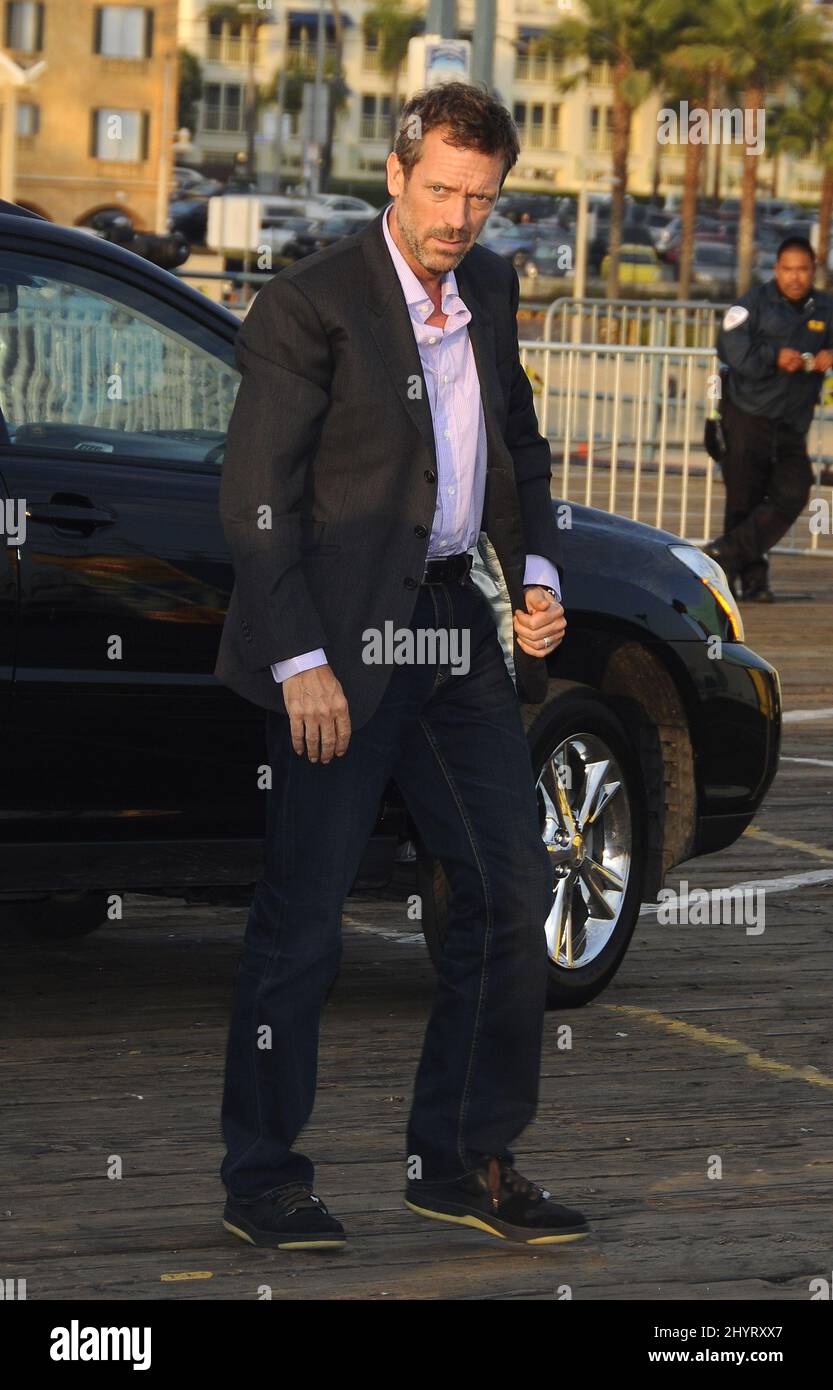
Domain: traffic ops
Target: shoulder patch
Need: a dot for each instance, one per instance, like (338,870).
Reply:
(734,316)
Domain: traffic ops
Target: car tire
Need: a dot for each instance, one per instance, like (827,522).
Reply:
(58,916)
(576,719)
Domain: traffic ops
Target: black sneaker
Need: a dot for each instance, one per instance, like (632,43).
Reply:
(757,592)
(497,1199)
(716,550)
(293,1218)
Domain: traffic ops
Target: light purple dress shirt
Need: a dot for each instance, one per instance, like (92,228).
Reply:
(459,432)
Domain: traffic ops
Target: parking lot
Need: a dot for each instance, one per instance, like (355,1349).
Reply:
(690,1118)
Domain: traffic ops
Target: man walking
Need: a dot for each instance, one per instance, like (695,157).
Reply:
(777,342)
(382,421)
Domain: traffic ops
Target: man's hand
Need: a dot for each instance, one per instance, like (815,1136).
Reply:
(317,709)
(823,361)
(789,360)
(544,618)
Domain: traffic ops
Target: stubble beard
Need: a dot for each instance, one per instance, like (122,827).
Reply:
(435,262)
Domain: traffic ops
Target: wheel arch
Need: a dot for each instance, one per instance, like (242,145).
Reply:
(635,684)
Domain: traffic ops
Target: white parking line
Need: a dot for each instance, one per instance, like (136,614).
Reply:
(817,762)
(784,884)
(800,716)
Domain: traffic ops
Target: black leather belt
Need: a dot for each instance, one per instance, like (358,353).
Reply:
(449,568)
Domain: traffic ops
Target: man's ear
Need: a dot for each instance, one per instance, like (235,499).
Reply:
(394,173)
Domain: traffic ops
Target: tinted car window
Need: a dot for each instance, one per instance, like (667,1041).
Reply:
(91,364)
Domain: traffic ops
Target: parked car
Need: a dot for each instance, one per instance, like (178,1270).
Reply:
(189,217)
(515,205)
(323,233)
(669,239)
(515,245)
(166,249)
(714,269)
(280,232)
(542,273)
(344,202)
(633,234)
(763,266)
(496,224)
(638,265)
(128,767)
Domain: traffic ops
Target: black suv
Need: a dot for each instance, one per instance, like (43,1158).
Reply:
(128,766)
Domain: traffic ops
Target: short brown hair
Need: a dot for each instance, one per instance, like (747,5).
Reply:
(475,122)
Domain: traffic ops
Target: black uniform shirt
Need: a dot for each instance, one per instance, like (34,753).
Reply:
(749,343)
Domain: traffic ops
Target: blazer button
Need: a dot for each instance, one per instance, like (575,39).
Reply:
(410,583)
(430,475)
(420,531)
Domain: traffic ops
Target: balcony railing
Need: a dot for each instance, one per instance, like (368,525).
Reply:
(370,60)
(303,57)
(228,48)
(216,118)
(537,67)
(374,127)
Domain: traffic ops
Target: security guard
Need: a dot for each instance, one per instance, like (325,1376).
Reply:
(778,342)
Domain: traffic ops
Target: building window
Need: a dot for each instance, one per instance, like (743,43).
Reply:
(24,26)
(28,118)
(554,134)
(375,117)
(601,129)
(119,136)
(123,31)
(536,133)
(600,75)
(223,106)
(370,53)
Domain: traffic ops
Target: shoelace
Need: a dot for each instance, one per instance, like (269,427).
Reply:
(501,1174)
(301,1196)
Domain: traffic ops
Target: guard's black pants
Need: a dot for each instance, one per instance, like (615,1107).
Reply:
(768,476)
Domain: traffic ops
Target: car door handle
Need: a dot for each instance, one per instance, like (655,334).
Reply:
(70,512)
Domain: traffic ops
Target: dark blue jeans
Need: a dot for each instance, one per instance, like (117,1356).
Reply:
(455,745)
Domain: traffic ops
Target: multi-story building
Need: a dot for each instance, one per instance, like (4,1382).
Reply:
(566,136)
(96,123)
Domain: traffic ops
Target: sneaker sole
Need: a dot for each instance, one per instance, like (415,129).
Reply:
(494,1227)
(278,1243)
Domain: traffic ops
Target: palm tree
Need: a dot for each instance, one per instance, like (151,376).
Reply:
(806,128)
(692,72)
(762,43)
(246,15)
(631,36)
(395,26)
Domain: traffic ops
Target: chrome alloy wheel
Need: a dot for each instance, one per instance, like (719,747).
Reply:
(586,828)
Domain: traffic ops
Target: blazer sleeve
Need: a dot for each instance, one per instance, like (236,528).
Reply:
(284,356)
(532,458)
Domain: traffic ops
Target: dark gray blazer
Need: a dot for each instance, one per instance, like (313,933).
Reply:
(330,476)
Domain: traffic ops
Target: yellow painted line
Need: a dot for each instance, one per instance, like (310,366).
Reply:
(187,1274)
(753,1059)
(781,840)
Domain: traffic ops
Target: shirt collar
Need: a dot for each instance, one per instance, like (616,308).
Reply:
(414,292)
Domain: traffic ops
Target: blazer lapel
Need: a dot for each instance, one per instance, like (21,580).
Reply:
(391,326)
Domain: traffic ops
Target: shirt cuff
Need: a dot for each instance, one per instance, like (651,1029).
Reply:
(294,665)
(540,571)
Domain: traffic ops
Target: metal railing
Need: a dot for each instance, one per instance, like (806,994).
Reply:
(625,420)
(642,323)
(625,424)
